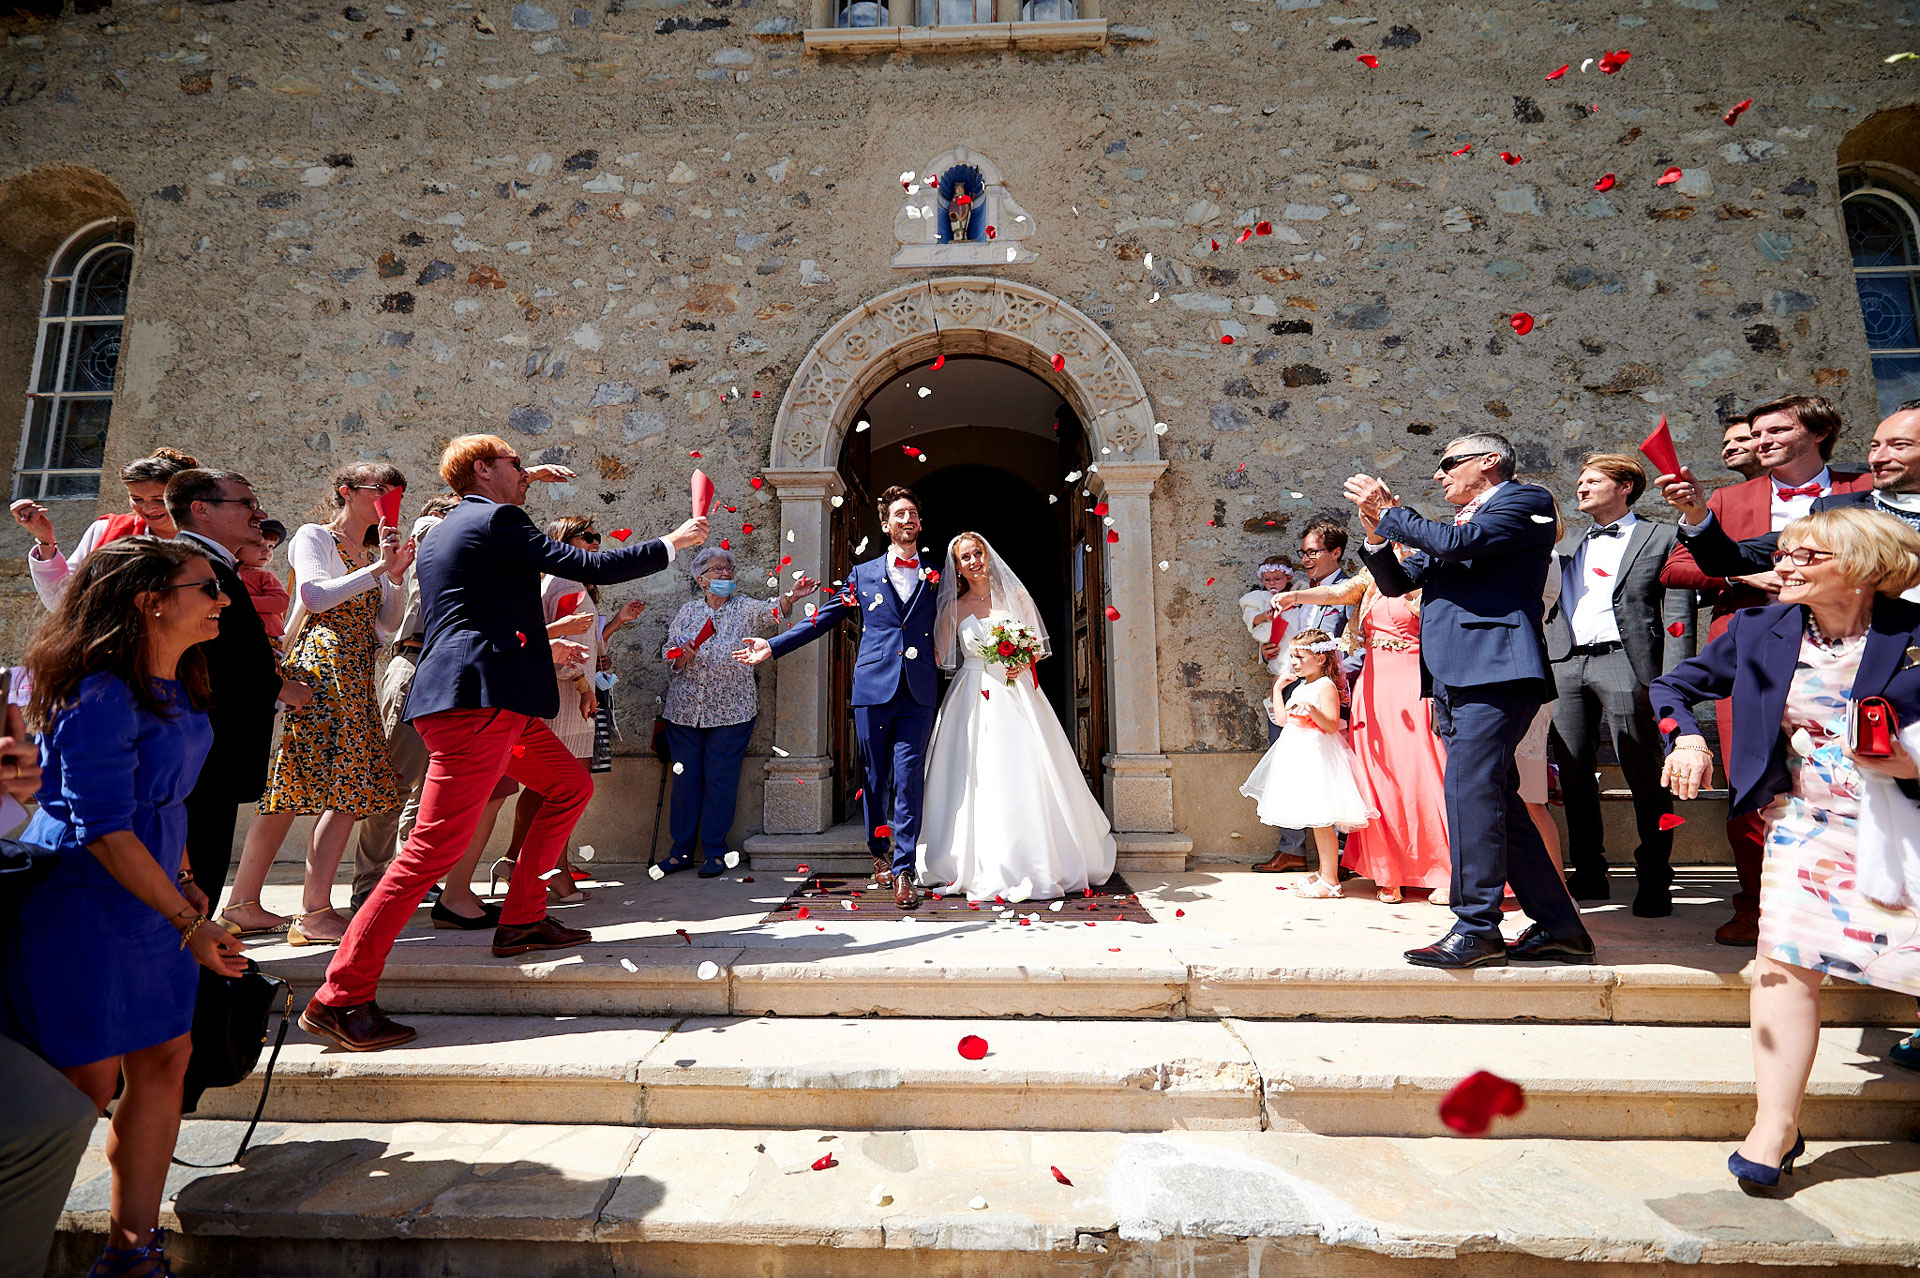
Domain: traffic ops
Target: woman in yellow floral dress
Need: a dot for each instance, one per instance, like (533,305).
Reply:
(333,760)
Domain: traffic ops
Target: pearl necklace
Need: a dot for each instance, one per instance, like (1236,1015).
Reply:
(1827,644)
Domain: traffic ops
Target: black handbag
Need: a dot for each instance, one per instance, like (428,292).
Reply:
(23,866)
(230,1019)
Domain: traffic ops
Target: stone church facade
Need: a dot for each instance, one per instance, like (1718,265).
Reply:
(1215,256)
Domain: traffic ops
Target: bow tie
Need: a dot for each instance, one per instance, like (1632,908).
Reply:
(906,563)
(1806,490)
(1605,530)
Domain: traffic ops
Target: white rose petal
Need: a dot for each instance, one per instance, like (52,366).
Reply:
(655,872)
(1149,261)
(733,860)
(913,654)
(846,905)
(586,851)
(1159,428)
(1055,907)
(707,970)
(1802,742)
(1021,890)
(628,963)
(1164,565)
(1541,519)
(978,1203)
(879,1196)
(679,768)
(837,501)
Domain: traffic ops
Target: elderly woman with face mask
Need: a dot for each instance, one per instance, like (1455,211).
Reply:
(712,703)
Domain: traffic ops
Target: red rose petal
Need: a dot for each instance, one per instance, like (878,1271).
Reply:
(1216,245)
(1668,724)
(992,233)
(1676,628)
(825,1161)
(933,576)
(1059,1175)
(973,1047)
(675,653)
(1226,339)
(756,482)
(1672,821)
(756,395)
(1601,572)
(621,534)
(1101,509)
(1668,178)
(1736,112)
(1555,75)
(1179,914)
(681,932)
(1113,613)
(987,693)
(802,912)
(1612,62)
(1209,581)
(964,200)
(1026,922)
(909,450)
(785,560)
(1368,60)
(1522,322)
(1510,157)
(939,361)
(883,832)
(521,637)
(1471,1106)
(519,752)
(724,545)
(746,530)
(1059,363)
(1463,150)
(1263,228)
(694,454)
(1244,236)
(1604,184)
(1113,536)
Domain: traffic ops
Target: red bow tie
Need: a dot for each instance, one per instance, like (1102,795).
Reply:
(1806,490)
(906,563)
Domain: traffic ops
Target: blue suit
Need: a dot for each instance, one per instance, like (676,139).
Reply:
(1753,661)
(1483,660)
(485,642)
(896,689)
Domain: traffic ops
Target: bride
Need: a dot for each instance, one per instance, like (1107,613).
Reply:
(1005,801)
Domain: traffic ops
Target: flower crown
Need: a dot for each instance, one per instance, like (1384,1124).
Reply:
(1325,645)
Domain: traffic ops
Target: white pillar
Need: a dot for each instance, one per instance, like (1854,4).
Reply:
(799,792)
(1139,779)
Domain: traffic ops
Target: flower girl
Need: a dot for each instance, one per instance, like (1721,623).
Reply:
(1308,779)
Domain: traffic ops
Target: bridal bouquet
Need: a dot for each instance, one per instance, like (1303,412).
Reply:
(1012,644)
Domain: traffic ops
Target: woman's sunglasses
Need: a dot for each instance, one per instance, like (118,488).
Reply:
(210,587)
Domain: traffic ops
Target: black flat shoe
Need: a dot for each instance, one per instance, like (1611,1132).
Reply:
(1653,903)
(445,918)
(1537,945)
(1456,950)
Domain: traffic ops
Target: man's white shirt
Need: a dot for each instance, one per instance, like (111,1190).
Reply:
(1588,599)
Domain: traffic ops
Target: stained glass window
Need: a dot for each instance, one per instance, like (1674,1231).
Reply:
(1883,236)
(70,398)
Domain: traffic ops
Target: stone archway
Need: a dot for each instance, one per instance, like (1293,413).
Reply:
(1027,327)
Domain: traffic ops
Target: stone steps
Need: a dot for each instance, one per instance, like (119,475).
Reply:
(1346,1079)
(480,1199)
(842,849)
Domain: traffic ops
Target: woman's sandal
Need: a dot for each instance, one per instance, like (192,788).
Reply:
(1390,896)
(239,930)
(502,872)
(1315,888)
(296,935)
(675,864)
(125,1262)
(1440,896)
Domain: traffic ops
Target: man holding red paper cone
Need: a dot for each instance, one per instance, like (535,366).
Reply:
(482,688)
(1793,438)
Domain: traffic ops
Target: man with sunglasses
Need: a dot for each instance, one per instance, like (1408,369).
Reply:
(217,511)
(1793,437)
(483,689)
(1483,660)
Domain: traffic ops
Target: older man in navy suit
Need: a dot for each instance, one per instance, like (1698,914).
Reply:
(895,687)
(482,691)
(1484,660)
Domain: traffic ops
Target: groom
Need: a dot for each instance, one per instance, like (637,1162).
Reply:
(895,687)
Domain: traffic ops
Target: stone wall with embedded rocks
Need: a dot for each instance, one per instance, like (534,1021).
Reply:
(612,233)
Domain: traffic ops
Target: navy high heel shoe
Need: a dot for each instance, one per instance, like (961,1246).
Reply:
(1748,1172)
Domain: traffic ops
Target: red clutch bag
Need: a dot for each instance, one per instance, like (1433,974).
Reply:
(1871,728)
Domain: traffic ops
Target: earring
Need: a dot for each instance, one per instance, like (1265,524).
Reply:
(1856,590)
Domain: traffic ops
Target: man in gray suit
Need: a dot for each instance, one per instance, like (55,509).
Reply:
(1613,631)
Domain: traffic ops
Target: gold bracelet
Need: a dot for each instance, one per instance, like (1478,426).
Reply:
(1702,749)
(186,933)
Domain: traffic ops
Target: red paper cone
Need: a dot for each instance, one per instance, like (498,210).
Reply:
(1658,448)
(389,504)
(702,493)
(1475,1100)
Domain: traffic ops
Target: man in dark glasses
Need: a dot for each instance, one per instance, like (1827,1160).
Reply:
(1483,660)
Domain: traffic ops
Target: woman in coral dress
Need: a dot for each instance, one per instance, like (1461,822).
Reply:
(1402,763)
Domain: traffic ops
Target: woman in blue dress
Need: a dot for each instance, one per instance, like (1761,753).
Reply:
(100,973)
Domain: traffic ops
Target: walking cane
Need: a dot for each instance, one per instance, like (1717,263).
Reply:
(666,767)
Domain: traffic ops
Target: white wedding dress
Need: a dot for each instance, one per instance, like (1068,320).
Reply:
(1005,799)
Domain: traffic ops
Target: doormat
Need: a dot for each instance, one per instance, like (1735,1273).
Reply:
(827,897)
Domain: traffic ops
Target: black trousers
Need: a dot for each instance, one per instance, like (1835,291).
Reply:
(212,814)
(1593,688)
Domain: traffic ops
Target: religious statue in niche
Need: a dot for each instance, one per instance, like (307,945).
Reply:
(958,213)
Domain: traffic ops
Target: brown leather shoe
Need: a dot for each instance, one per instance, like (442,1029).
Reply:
(1281,863)
(1742,929)
(360,1028)
(882,872)
(544,935)
(905,895)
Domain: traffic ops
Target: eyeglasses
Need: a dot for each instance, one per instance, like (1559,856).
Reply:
(370,488)
(250,503)
(1315,550)
(208,586)
(1448,463)
(1801,557)
(514,462)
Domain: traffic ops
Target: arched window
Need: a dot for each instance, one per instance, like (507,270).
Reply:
(71,395)
(1883,235)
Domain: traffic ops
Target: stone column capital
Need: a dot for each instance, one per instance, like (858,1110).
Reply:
(799,485)
(1127,479)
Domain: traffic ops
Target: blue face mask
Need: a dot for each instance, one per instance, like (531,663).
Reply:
(605,679)
(722,587)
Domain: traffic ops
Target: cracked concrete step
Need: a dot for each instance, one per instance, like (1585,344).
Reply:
(1582,1081)
(773,1072)
(482,1199)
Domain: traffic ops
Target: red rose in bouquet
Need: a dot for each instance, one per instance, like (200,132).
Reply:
(1006,648)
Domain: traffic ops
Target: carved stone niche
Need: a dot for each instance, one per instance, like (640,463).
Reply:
(916,225)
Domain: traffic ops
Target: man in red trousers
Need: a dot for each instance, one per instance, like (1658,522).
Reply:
(482,690)
(1792,438)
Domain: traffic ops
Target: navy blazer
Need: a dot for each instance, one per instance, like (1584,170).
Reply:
(1753,661)
(1722,556)
(485,645)
(243,678)
(1481,584)
(889,631)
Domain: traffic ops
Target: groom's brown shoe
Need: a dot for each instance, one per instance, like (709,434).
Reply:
(904,894)
(882,872)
